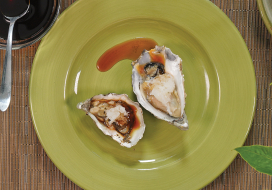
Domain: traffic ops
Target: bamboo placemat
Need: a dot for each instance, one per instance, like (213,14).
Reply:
(25,165)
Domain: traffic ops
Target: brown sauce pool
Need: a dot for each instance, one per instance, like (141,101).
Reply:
(130,49)
(137,123)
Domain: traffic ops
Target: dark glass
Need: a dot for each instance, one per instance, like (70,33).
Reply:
(40,17)
(12,8)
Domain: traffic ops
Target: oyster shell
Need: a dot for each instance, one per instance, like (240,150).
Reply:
(117,116)
(158,83)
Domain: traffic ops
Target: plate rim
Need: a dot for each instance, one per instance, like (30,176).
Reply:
(264,16)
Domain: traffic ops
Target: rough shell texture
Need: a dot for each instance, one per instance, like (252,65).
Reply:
(172,65)
(134,136)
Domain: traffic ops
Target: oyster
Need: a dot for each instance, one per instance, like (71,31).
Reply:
(117,116)
(158,83)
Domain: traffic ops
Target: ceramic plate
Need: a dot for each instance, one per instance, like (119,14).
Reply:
(265,7)
(219,82)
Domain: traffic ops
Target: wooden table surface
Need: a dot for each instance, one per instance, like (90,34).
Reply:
(25,164)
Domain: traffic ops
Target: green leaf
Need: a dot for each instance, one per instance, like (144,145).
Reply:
(257,156)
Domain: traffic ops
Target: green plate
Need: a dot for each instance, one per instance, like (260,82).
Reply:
(219,82)
(265,7)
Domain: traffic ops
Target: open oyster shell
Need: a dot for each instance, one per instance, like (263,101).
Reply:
(117,116)
(158,83)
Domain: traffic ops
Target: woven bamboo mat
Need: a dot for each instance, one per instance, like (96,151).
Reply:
(25,165)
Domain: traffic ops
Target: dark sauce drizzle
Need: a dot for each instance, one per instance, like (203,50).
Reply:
(130,117)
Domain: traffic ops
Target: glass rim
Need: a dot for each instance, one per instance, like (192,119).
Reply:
(37,36)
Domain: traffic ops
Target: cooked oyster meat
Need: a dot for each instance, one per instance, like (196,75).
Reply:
(158,83)
(116,116)
(161,92)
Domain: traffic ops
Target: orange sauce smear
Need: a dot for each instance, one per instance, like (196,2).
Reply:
(157,57)
(130,49)
(140,69)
